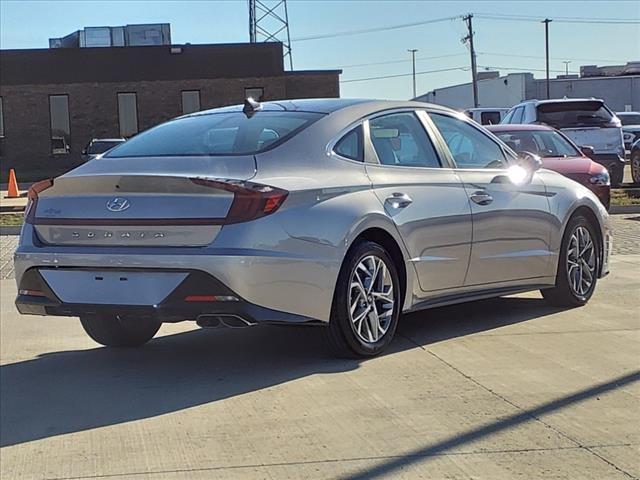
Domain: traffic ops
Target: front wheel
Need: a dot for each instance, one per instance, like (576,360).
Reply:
(577,267)
(366,303)
(116,331)
(635,167)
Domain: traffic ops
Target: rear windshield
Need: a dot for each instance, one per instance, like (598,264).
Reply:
(630,119)
(101,147)
(216,134)
(574,114)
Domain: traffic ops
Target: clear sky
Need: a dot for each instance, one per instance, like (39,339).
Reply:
(517,45)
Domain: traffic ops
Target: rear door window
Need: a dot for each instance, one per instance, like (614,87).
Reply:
(588,113)
(230,133)
(399,139)
(517,115)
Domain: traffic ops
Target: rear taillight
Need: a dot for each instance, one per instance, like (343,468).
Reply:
(250,200)
(32,196)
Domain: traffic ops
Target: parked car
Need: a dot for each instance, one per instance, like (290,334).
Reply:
(559,154)
(630,127)
(588,122)
(486,115)
(635,161)
(345,214)
(98,146)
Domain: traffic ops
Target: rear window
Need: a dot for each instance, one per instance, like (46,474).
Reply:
(575,114)
(630,119)
(216,134)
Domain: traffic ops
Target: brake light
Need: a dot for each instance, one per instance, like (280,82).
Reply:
(250,200)
(32,197)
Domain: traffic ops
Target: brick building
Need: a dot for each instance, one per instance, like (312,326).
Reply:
(53,101)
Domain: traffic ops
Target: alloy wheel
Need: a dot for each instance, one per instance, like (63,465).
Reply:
(371,299)
(581,261)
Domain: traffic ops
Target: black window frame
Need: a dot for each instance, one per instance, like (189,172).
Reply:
(137,110)
(66,141)
(182,92)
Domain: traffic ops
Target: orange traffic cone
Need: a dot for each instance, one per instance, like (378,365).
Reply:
(13,185)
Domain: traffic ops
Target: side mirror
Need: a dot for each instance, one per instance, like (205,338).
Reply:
(588,151)
(522,173)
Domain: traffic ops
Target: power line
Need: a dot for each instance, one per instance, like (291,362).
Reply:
(403,75)
(372,30)
(389,62)
(531,18)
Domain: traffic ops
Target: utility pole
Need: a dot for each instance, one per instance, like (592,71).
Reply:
(546,22)
(413,61)
(566,67)
(269,22)
(474,70)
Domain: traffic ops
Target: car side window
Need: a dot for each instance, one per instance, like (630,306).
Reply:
(351,145)
(508,116)
(399,139)
(517,115)
(469,146)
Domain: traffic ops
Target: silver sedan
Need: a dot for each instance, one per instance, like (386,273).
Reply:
(337,213)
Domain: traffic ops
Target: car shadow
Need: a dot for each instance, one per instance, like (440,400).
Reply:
(71,391)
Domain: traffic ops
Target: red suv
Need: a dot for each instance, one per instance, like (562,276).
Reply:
(559,154)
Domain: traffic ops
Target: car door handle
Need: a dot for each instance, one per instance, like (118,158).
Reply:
(481,198)
(399,200)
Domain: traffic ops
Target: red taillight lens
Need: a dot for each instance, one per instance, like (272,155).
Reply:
(32,196)
(250,200)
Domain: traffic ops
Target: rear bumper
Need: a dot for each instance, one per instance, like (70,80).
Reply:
(173,308)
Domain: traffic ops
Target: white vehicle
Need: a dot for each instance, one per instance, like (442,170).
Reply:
(486,115)
(586,121)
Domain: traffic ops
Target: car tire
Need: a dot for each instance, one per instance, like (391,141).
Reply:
(635,167)
(573,288)
(116,331)
(348,335)
(616,173)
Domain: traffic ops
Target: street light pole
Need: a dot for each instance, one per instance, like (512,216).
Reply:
(546,22)
(413,61)
(566,67)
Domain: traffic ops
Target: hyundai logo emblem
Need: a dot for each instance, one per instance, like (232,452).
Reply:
(118,204)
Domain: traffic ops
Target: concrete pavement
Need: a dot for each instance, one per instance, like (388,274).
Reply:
(499,389)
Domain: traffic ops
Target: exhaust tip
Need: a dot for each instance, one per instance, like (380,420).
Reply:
(208,321)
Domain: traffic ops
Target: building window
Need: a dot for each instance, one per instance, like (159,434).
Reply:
(1,120)
(254,92)
(128,114)
(190,101)
(60,131)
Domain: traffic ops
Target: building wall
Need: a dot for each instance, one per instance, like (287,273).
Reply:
(617,92)
(494,92)
(93,112)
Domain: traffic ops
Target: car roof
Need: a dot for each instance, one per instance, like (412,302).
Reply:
(325,105)
(108,140)
(622,114)
(517,127)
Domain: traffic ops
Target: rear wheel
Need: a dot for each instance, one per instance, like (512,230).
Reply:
(116,331)
(635,166)
(577,267)
(366,303)
(616,173)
